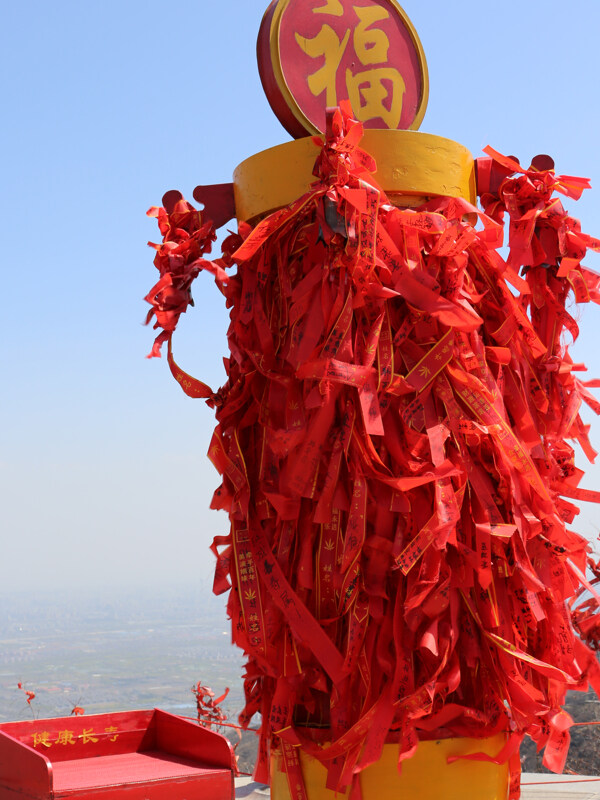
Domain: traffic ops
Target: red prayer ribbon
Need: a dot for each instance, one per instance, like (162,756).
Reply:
(393,440)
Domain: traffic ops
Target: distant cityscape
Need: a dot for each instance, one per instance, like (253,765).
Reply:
(133,649)
(116,651)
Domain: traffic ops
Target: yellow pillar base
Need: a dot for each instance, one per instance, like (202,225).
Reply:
(426,776)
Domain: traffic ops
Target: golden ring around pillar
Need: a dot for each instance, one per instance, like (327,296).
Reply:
(411,167)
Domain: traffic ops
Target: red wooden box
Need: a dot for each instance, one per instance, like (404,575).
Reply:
(133,755)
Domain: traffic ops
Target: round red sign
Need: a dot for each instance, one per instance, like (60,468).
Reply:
(312,54)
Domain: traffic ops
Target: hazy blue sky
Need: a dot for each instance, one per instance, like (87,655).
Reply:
(104,478)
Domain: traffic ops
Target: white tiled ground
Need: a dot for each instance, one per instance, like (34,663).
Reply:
(246,789)
(559,787)
(534,787)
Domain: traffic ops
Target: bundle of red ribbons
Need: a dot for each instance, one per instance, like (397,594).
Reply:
(393,442)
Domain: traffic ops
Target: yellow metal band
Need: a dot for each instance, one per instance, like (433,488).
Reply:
(426,776)
(411,166)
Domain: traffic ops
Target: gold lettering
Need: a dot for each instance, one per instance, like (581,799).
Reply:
(326,43)
(114,730)
(65,737)
(87,736)
(332,7)
(42,738)
(367,93)
(376,93)
(371,46)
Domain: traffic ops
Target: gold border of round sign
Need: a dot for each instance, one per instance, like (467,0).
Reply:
(291,101)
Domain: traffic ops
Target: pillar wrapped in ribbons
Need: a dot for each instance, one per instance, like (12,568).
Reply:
(394,440)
